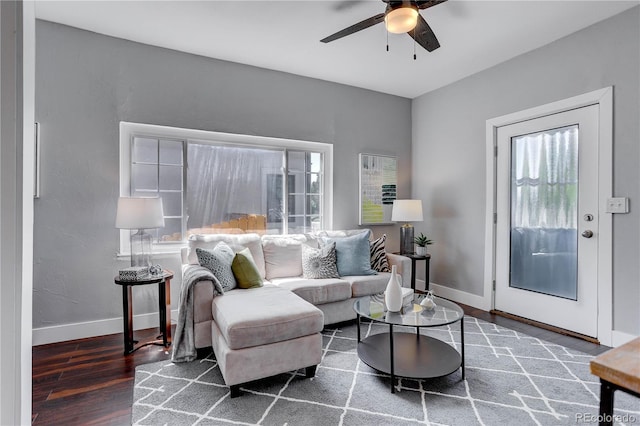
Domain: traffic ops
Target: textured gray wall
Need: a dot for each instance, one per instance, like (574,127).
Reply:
(87,83)
(449,148)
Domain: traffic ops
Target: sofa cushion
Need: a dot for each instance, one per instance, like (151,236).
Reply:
(283,255)
(379,260)
(368,284)
(219,262)
(317,291)
(342,233)
(236,241)
(319,263)
(245,270)
(263,315)
(353,253)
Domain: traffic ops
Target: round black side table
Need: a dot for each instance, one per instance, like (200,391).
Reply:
(164,289)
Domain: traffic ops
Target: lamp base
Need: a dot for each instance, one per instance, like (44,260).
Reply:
(141,249)
(406,239)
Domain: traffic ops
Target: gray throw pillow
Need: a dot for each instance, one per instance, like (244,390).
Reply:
(219,261)
(319,263)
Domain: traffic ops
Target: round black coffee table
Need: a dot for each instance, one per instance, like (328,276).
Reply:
(405,354)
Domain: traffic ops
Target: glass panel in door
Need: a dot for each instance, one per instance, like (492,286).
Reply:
(544,212)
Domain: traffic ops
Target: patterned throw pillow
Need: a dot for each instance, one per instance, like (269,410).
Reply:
(379,260)
(319,263)
(219,262)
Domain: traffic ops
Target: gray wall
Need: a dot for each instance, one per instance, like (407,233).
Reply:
(449,149)
(87,83)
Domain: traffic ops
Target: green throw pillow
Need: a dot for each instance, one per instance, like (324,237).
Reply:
(245,270)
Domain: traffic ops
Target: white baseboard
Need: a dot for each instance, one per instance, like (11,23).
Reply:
(456,295)
(82,330)
(619,338)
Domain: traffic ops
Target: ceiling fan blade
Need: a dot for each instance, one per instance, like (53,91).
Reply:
(428,3)
(346,4)
(424,36)
(355,28)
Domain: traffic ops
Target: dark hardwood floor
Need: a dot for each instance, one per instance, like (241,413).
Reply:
(90,381)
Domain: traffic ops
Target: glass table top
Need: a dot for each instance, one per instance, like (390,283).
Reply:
(412,314)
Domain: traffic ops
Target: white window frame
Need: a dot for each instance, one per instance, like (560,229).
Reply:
(129,130)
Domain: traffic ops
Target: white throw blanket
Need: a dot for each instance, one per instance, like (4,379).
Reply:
(184,345)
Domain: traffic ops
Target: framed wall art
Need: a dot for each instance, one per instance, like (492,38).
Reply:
(378,182)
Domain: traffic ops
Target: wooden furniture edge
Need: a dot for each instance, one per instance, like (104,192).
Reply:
(620,366)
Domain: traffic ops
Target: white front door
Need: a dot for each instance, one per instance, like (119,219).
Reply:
(547,220)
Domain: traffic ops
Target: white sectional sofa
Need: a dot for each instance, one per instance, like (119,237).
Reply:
(259,332)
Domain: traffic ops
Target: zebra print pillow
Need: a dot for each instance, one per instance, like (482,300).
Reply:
(379,260)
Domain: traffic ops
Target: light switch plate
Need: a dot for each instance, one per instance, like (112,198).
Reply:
(617,205)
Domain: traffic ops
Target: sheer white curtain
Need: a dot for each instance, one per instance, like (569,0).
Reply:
(544,212)
(545,179)
(223,182)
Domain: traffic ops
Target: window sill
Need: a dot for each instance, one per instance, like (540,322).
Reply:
(158,251)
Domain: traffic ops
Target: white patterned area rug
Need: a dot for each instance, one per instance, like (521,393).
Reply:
(511,379)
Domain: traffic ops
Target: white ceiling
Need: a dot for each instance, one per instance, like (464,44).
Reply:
(284,35)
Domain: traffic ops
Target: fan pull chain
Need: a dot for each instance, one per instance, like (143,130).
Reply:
(387,40)
(414,49)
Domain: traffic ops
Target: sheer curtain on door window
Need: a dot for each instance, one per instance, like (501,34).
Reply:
(544,211)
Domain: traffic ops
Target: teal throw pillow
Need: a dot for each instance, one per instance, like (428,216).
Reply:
(219,261)
(353,254)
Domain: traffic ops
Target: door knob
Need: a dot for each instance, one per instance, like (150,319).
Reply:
(587,234)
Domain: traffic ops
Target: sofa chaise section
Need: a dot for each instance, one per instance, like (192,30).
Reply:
(254,337)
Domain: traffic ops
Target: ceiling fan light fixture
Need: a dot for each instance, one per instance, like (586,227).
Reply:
(401,20)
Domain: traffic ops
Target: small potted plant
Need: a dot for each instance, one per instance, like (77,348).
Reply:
(421,244)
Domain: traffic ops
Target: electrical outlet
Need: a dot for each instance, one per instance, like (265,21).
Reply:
(617,205)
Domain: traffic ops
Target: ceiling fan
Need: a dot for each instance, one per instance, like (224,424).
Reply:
(399,17)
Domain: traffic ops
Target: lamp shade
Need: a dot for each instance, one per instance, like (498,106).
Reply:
(139,213)
(407,211)
(401,20)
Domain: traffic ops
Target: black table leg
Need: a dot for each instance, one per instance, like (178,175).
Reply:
(162,312)
(167,312)
(426,274)
(393,376)
(461,342)
(606,403)
(127,317)
(358,320)
(413,274)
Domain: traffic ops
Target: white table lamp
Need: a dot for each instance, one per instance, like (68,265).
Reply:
(140,214)
(406,211)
